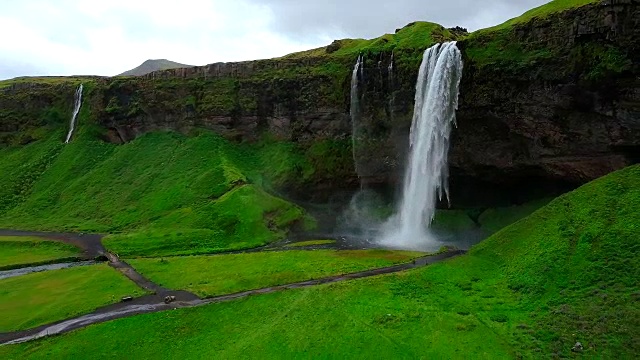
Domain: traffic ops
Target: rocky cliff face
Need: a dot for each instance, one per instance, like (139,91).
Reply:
(545,104)
(568,116)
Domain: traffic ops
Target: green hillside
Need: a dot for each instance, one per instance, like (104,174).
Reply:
(566,274)
(170,194)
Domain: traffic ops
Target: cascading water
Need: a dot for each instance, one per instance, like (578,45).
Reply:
(76,110)
(392,98)
(426,176)
(355,108)
(390,69)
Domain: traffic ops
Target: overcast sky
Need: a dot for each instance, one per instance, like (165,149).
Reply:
(66,37)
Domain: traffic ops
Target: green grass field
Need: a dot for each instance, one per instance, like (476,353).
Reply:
(566,273)
(17,251)
(209,276)
(385,318)
(36,299)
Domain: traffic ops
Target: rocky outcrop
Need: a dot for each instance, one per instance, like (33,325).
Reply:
(570,117)
(152,65)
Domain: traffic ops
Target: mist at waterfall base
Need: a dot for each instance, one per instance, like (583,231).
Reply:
(425,180)
(76,109)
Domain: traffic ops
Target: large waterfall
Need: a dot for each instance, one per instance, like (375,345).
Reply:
(355,108)
(426,176)
(76,109)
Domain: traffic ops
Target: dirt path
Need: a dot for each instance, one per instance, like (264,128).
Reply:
(91,244)
(155,303)
(92,247)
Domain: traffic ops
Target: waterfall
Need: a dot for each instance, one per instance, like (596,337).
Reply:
(391,68)
(426,176)
(76,110)
(355,107)
(392,98)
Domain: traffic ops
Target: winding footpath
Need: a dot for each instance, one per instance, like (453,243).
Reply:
(93,247)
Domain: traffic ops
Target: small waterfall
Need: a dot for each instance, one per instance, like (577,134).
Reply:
(392,98)
(390,69)
(76,110)
(426,176)
(355,110)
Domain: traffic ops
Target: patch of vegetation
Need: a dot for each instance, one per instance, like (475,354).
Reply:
(209,276)
(36,299)
(599,61)
(48,80)
(312,243)
(566,273)
(495,219)
(19,251)
(243,218)
(22,167)
(500,50)
(506,49)
(330,159)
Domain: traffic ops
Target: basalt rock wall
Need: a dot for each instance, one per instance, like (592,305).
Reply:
(545,105)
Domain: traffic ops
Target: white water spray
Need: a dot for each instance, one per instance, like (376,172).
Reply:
(426,176)
(76,110)
(355,107)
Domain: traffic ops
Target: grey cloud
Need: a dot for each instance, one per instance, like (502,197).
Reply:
(371,18)
(10,68)
(63,37)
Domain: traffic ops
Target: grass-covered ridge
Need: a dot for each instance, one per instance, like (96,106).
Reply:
(509,48)
(552,7)
(412,37)
(566,273)
(46,80)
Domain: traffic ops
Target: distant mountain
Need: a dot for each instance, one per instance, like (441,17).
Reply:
(150,66)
